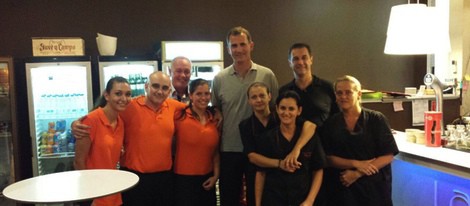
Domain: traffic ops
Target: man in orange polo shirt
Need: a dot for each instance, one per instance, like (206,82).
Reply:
(149,128)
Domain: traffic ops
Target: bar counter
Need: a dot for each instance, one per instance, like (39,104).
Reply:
(429,175)
(444,159)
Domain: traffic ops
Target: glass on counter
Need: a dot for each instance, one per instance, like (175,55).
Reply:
(457,137)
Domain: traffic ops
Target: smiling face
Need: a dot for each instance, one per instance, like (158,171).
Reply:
(119,96)
(259,98)
(301,62)
(180,73)
(158,88)
(240,48)
(200,97)
(288,111)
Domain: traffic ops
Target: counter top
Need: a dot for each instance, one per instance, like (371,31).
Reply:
(444,159)
(409,98)
(446,155)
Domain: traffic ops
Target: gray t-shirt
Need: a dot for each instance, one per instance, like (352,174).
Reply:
(229,95)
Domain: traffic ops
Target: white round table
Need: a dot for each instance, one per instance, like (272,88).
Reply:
(70,186)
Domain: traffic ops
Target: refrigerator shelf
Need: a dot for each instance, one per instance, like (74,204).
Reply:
(73,116)
(57,155)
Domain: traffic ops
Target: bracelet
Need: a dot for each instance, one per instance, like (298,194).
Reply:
(279,164)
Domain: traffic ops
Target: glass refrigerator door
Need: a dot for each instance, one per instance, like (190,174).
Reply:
(136,73)
(203,70)
(57,95)
(7,121)
(206,70)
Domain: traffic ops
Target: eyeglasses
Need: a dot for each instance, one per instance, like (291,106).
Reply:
(157,86)
(346,92)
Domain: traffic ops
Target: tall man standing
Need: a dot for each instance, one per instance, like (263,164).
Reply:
(317,95)
(229,95)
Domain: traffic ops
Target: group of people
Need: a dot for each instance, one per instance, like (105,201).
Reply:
(307,143)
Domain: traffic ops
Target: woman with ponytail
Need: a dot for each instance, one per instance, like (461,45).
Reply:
(102,149)
(197,149)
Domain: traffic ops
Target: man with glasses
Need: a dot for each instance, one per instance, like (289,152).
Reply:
(149,128)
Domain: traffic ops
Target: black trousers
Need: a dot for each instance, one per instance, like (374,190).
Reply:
(250,174)
(232,168)
(152,189)
(189,191)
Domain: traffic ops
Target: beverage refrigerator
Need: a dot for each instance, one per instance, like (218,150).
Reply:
(8,125)
(207,57)
(59,92)
(135,69)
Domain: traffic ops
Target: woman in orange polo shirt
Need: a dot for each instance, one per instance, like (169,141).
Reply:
(197,149)
(102,149)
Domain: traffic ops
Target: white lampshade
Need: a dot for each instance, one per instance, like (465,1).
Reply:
(416,29)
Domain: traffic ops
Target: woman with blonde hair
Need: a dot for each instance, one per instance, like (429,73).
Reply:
(359,146)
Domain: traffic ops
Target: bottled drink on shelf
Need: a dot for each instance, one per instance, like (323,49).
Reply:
(50,138)
(133,85)
(60,125)
(144,81)
(139,84)
(44,138)
(63,142)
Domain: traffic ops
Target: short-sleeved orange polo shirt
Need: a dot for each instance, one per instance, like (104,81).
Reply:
(105,150)
(195,145)
(148,135)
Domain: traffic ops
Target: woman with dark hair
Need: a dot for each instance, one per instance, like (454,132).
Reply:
(102,149)
(197,149)
(275,186)
(260,121)
(360,147)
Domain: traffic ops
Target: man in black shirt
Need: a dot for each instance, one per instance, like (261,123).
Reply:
(317,95)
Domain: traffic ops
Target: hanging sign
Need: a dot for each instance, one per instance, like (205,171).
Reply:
(61,46)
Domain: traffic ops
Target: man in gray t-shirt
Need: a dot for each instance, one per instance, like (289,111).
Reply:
(229,95)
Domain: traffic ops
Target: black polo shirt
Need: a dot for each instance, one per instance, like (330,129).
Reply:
(372,137)
(251,129)
(284,188)
(318,99)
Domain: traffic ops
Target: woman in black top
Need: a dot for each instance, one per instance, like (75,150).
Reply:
(360,147)
(261,121)
(277,187)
